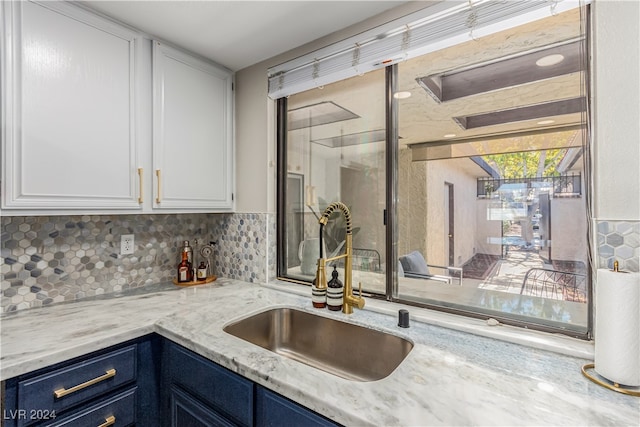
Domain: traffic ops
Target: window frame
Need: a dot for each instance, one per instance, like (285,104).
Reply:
(390,215)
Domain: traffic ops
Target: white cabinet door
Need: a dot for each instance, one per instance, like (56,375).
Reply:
(192,132)
(68,131)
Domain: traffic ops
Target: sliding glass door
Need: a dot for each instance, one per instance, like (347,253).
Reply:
(336,152)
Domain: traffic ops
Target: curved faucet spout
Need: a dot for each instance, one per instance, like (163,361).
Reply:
(324,219)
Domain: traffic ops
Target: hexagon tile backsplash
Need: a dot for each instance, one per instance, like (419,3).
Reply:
(60,258)
(619,241)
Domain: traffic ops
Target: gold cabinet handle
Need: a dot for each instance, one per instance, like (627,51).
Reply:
(141,194)
(158,197)
(63,392)
(109,421)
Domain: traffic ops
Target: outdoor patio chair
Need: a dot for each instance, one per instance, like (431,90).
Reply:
(415,266)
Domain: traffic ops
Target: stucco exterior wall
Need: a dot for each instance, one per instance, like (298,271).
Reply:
(412,204)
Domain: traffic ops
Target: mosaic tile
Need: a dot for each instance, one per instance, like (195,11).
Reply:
(45,260)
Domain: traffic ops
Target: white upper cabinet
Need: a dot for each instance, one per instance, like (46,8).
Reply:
(69,85)
(97,118)
(192,132)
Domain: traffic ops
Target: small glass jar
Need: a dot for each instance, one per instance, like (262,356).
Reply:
(202,271)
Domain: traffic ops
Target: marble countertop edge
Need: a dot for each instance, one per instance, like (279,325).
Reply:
(11,370)
(501,382)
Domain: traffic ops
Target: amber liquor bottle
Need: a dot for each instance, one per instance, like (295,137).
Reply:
(185,270)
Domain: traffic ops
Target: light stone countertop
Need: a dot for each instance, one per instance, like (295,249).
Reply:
(449,378)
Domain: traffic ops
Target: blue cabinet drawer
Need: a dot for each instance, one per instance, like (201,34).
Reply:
(66,387)
(224,391)
(118,411)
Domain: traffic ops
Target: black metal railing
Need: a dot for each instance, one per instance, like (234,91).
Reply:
(562,186)
(554,284)
(362,260)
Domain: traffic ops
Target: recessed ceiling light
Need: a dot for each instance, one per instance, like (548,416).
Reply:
(549,60)
(402,95)
(450,135)
(546,122)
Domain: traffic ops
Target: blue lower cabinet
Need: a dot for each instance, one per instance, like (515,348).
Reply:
(203,393)
(188,411)
(224,392)
(275,411)
(150,382)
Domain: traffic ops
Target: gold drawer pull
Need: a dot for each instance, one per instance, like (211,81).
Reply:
(63,392)
(109,421)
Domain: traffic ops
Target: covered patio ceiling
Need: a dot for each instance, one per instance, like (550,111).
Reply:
(556,100)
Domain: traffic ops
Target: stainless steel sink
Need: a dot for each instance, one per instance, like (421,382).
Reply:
(349,351)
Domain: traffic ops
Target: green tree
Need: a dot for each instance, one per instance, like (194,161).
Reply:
(526,164)
(521,157)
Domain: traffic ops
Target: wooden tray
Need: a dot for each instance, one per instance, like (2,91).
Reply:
(195,282)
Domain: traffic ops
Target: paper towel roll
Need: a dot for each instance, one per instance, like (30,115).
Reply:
(617,327)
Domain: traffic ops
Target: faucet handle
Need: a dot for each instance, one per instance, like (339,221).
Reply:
(359,300)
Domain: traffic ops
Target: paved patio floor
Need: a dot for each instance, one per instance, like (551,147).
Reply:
(508,273)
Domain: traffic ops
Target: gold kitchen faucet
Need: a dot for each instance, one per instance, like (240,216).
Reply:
(349,300)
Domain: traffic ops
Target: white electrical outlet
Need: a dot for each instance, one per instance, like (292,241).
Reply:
(126,244)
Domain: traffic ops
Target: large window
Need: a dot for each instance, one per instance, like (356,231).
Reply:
(487,195)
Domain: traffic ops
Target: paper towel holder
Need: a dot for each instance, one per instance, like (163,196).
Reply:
(628,390)
(604,380)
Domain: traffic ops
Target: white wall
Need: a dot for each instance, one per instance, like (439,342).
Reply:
(464,211)
(616,104)
(617,109)
(487,229)
(255,143)
(568,234)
